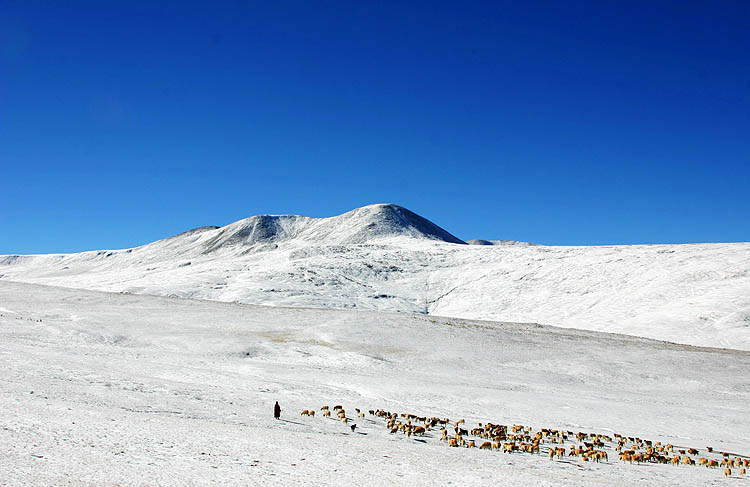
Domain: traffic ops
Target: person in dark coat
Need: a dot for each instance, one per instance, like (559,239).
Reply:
(277,410)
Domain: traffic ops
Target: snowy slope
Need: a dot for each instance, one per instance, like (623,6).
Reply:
(384,257)
(117,389)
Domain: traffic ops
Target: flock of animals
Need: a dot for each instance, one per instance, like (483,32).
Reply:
(588,447)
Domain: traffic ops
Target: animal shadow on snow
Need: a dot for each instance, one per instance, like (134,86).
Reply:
(292,422)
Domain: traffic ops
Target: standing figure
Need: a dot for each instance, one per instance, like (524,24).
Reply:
(277,410)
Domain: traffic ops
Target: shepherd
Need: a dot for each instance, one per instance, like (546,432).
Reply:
(277,410)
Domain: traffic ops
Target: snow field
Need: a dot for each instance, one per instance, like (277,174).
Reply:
(107,389)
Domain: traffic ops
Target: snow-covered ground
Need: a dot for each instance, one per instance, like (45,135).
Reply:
(120,389)
(385,258)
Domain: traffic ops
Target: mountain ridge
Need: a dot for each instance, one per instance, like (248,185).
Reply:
(386,258)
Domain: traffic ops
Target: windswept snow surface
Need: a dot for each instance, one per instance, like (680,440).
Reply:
(386,258)
(116,389)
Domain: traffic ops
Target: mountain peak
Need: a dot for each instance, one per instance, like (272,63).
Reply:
(358,226)
(387,219)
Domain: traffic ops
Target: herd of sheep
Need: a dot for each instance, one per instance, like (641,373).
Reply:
(588,447)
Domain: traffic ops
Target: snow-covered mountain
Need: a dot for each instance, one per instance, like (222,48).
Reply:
(387,258)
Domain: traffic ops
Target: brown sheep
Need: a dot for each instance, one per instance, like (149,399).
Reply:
(453,442)
(485,446)
(305,412)
(327,413)
(727,472)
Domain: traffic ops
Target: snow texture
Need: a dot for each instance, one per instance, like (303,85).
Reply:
(120,389)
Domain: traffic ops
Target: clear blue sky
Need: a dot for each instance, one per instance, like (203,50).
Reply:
(554,122)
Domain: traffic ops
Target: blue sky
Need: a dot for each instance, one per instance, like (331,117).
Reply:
(563,123)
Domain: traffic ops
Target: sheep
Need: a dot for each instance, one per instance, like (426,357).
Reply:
(727,472)
(327,413)
(305,412)
(485,446)
(453,442)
